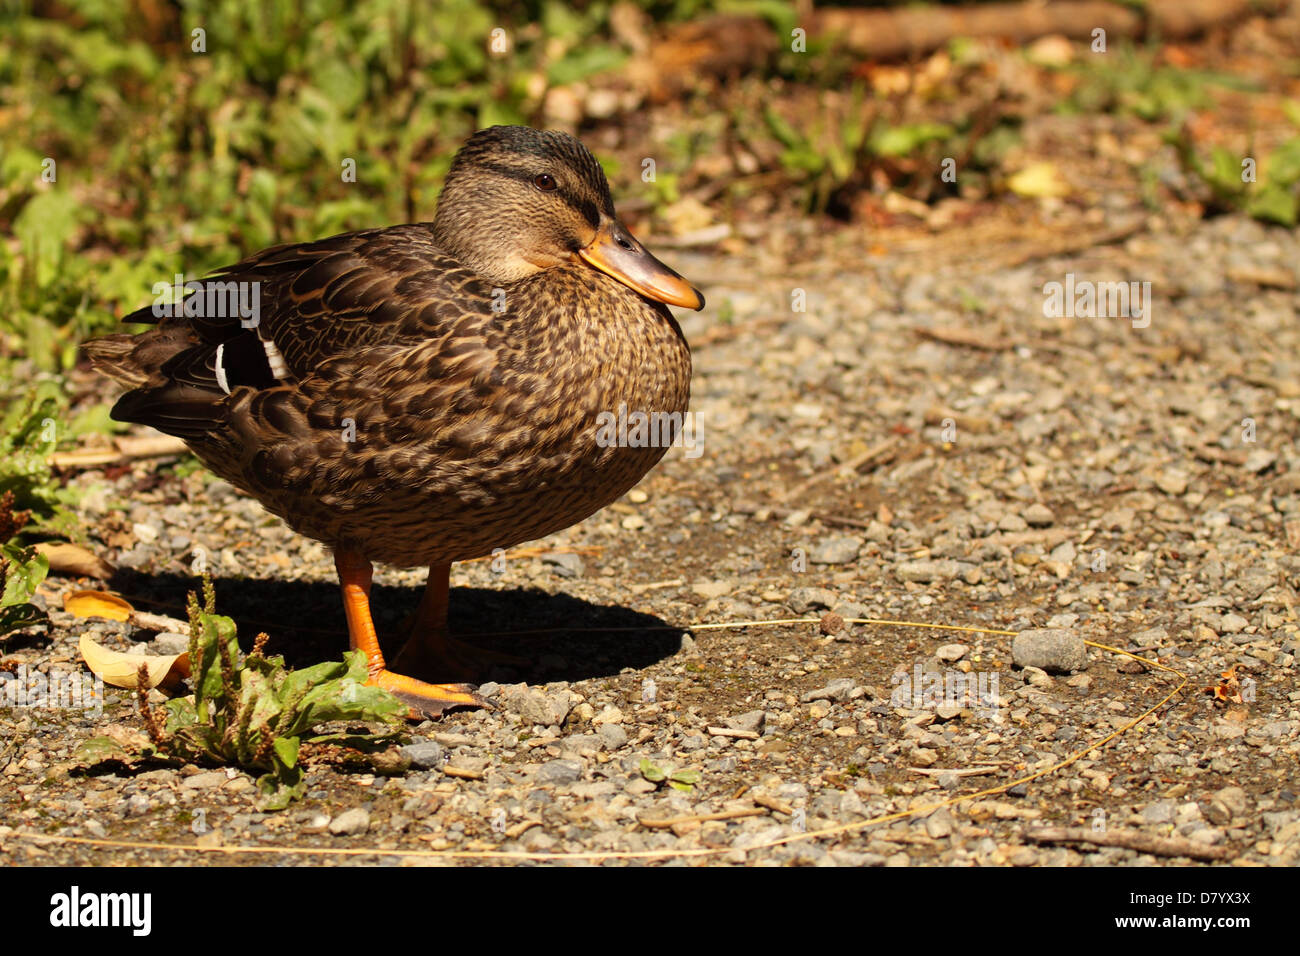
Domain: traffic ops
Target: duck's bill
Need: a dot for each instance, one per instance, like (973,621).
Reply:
(616,252)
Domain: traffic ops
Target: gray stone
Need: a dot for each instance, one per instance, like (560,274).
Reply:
(136,805)
(580,744)
(1260,460)
(952,652)
(351,822)
(939,824)
(838,689)
(803,600)
(837,549)
(753,721)
(1038,677)
(1172,482)
(1038,515)
(204,781)
(1232,624)
(612,736)
(426,756)
(539,707)
(1162,811)
(1057,650)
(712,589)
(566,564)
(924,572)
(167,642)
(559,772)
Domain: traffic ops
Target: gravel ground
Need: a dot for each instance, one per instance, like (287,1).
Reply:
(1132,482)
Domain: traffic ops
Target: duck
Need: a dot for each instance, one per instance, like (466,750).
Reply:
(427,393)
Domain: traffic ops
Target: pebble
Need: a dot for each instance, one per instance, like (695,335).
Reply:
(1232,624)
(1038,516)
(838,689)
(753,721)
(539,706)
(805,600)
(1172,482)
(924,572)
(203,781)
(1057,650)
(351,822)
(712,589)
(566,563)
(952,652)
(612,736)
(425,756)
(168,642)
(559,772)
(939,825)
(838,549)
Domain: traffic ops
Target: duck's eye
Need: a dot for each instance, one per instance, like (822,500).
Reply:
(545,182)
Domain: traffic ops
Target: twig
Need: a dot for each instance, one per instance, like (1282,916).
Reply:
(968,338)
(725,333)
(731,732)
(772,803)
(848,469)
(655,586)
(1072,242)
(1132,840)
(128,448)
(159,622)
(663,822)
(783,513)
(964,772)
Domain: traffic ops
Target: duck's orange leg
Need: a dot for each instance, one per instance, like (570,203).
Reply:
(431,650)
(425,700)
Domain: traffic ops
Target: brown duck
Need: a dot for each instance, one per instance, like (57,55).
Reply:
(430,392)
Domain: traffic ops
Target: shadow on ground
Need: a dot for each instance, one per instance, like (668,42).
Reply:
(562,637)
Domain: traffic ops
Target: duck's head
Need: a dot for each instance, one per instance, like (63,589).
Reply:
(519,200)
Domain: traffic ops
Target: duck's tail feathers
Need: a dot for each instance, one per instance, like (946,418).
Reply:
(113,355)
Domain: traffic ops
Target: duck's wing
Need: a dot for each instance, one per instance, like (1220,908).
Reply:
(277,317)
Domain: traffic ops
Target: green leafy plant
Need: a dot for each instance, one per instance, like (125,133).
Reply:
(28,428)
(21,572)
(1271,195)
(253,712)
(1131,80)
(677,779)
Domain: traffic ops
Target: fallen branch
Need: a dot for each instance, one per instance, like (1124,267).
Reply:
(765,511)
(725,46)
(772,803)
(664,822)
(1132,840)
(125,448)
(968,338)
(962,772)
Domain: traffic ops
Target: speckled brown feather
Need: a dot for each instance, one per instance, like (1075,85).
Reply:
(418,426)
